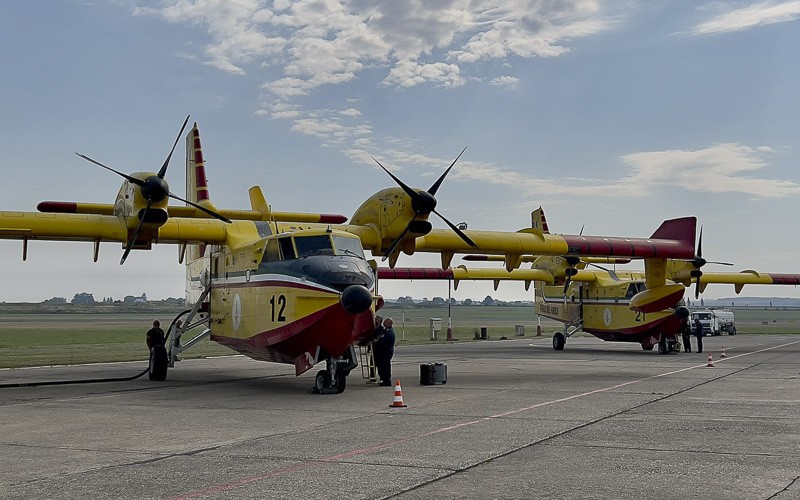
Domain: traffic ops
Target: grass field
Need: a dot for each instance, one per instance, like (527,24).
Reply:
(34,336)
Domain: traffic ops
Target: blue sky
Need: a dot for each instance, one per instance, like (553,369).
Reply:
(611,115)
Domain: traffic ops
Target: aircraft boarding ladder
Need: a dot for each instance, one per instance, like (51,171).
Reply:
(369,371)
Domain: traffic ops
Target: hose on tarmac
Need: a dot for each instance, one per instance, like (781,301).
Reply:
(70,382)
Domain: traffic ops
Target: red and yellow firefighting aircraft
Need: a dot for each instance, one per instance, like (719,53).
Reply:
(296,287)
(646,307)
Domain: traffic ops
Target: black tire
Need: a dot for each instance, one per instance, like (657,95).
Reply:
(159,361)
(341,383)
(732,331)
(662,345)
(341,378)
(558,341)
(322,381)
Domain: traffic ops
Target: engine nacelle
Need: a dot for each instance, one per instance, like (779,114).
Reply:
(658,298)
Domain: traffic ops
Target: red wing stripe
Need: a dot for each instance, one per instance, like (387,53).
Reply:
(785,279)
(411,273)
(628,247)
(332,219)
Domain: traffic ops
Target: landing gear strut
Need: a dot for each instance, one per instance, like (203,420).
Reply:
(667,345)
(333,379)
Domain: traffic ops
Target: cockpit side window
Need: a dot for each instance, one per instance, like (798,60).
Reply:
(286,248)
(272,251)
(313,245)
(348,246)
(631,291)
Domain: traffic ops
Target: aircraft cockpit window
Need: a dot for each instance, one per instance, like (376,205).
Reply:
(348,246)
(313,245)
(272,252)
(286,248)
(631,291)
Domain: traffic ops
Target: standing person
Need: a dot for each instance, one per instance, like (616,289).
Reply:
(384,351)
(375,349)
(698,331)
(686,333)
(155,335)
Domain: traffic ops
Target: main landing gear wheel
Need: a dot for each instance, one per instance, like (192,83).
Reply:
(323,384)
(341,380)
(662,345)
(159,359)
(558,341)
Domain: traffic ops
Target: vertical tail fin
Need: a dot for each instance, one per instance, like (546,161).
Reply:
(196,182)
(682,230)
(538,221)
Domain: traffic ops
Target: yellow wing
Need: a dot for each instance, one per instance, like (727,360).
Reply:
(100,228)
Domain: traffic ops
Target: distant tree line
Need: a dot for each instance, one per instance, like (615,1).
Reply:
(85,298)
(439,301)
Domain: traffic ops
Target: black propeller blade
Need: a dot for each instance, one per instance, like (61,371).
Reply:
(570,271)
(132,239)
(163,171)
(154,189)
(699,262)
(424,203)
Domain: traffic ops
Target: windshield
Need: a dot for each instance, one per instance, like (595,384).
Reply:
(348,246)
(313,245)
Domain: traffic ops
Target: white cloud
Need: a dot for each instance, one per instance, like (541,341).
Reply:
(234,26)
(408,73)
(321,42)
(505,81)
(752,16)
(716,169)
(722,168)
(280,110)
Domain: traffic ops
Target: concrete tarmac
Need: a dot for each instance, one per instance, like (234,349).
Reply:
(516,419)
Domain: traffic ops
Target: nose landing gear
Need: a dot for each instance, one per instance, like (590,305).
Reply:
(333,379)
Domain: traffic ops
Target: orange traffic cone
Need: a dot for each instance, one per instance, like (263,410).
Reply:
(710,361)
(723,355)
(397,402)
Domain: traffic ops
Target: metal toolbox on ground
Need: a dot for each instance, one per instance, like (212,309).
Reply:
(432,373)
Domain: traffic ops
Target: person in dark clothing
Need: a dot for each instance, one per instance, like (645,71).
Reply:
(373,348)
(698,331)
(155,335)
(384,351)
(686,333)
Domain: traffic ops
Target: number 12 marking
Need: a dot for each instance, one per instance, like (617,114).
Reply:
(281,307)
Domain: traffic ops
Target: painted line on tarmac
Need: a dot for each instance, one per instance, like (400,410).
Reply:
(219,488)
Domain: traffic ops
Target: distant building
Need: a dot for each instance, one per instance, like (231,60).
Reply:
(132,299)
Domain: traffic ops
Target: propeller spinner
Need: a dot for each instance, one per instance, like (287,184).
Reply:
(153,189)
(424,203)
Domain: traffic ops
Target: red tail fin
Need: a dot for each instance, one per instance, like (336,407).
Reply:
(682,229)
